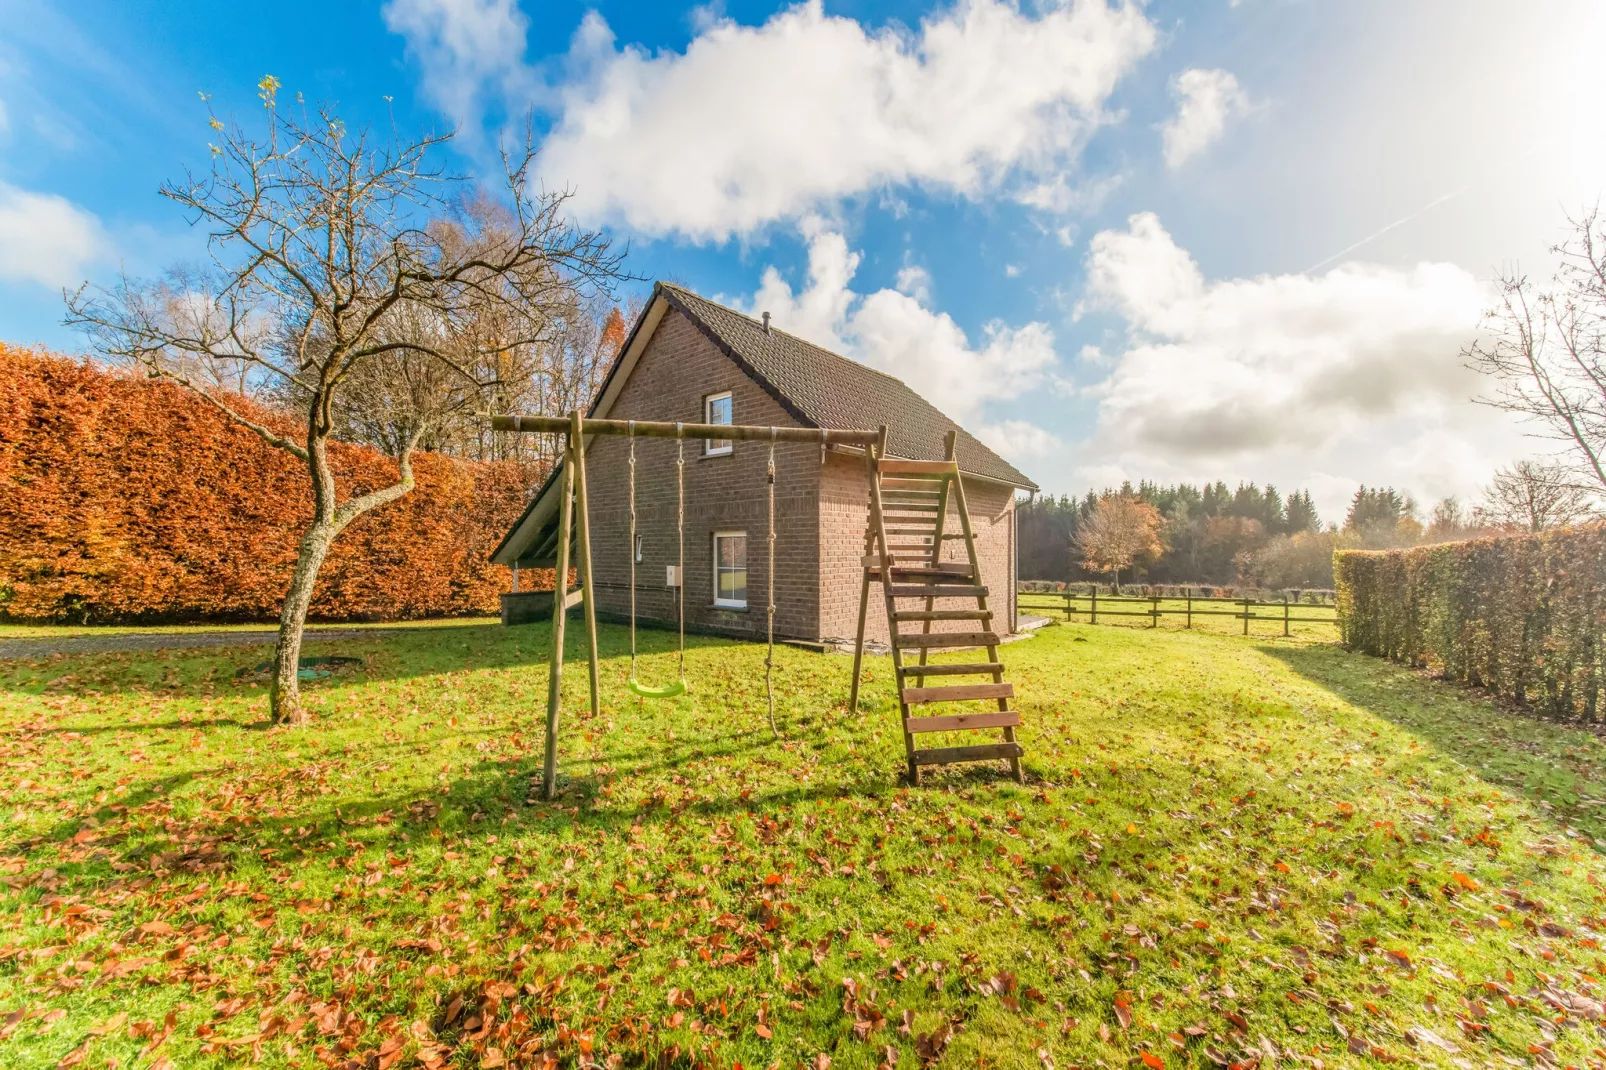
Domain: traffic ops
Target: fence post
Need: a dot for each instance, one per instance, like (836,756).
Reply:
(1154,611)
(1190,608)
(1067,601)
(1095,614)
(1285,614)
(1246,616)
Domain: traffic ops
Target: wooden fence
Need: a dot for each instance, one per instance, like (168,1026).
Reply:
(1093,605)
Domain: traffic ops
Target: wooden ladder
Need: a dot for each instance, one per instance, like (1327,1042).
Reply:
(909,504)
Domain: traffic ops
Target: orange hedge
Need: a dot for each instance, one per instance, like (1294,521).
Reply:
(126,499)
(1522,615)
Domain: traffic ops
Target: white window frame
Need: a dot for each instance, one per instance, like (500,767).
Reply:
(728,603)
(718,447)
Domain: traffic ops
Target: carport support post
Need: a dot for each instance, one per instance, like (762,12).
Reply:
(560,597)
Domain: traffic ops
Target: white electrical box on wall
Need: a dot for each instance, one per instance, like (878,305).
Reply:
(671,575)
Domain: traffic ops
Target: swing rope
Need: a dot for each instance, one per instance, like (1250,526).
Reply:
(680,533)
(769,652)
(678,687)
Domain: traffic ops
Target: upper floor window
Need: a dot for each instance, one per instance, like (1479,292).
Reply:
(717,410)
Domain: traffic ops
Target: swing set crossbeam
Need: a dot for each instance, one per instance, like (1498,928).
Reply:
(557,425)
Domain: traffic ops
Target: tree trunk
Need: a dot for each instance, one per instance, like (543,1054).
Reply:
(285,697)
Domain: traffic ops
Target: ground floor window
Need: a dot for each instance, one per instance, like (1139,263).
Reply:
(730,569)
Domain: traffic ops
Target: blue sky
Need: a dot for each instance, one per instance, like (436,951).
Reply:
(1238,240)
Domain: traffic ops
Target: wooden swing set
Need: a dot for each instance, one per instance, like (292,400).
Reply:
(909,501)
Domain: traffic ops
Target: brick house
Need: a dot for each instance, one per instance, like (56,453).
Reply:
(691,360)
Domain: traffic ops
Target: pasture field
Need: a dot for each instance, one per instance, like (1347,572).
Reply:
(1229,851)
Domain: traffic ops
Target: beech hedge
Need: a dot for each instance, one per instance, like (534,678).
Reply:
(1521,615)
(125,499)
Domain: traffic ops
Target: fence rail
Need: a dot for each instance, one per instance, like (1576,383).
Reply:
(1093,606)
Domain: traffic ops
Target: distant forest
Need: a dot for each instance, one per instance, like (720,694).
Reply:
(1213,534)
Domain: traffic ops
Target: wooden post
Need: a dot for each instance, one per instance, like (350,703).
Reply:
(948,441)
(582,509)
(872,458)
(1068,613)
(1285,613)
(1246,616)
(1095,614)
(1190,607)
(560,597)
(981,601)
(1154,611)
(858,642)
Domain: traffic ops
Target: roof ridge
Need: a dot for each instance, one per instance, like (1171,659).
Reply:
(759,325)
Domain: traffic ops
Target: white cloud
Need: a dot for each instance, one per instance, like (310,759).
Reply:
(1018,439)
(899,334)
(1294,377)
(754,124)
(1206,99)
(915,281)
(45,238)
(471,52)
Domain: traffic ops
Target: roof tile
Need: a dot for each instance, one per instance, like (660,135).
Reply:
(829,390)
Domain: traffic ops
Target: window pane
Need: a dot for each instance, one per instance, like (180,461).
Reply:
(730,569)
(717,410)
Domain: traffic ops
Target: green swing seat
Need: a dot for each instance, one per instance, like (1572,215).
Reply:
(669,690)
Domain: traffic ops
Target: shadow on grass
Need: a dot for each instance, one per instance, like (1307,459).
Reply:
(1559,767)
(208,672)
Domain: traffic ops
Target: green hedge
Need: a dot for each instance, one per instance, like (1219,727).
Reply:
(1521,615)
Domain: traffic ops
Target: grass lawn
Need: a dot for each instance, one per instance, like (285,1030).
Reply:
(1228,851)
(70,631)
(1320,622)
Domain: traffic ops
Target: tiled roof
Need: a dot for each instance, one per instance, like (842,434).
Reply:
(825,389)
(818,387)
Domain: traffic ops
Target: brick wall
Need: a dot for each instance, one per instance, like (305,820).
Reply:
(678,369)
(844,512)
(821,508)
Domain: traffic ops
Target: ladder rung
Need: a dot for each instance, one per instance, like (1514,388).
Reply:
(931,469)
(940,569)
(938,590)
(923,547)
(951,669)
(578,595)
(915,696)
(954,535)
(942,614)
(908,486)
(958,570)
(929,531)
(949,755)
(940,639)
(909,507)
(961,722)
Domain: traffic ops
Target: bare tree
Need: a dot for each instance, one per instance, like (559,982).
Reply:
(1535,496)
(1547,348)
(329,279)
(1118,533)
